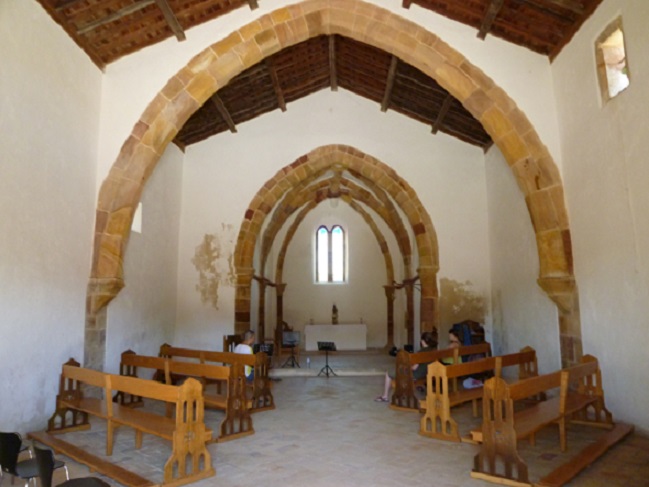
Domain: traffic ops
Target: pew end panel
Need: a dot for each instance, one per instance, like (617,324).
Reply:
(80,394)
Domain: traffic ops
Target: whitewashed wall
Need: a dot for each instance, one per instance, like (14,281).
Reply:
(143,315)
(361,297)
(605,175)
(49,113)
(223,174)
(522,313)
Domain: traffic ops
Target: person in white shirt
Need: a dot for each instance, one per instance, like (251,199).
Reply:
(245,347)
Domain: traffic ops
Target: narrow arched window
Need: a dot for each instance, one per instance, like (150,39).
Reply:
(330,254)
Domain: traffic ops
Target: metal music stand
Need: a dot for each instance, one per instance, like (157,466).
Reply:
(327,347)
(291,339)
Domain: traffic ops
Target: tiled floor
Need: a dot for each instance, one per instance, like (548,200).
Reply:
(330,432)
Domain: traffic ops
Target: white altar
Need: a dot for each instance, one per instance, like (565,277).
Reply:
(346,337)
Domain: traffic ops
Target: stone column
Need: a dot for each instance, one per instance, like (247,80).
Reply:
(429,310)
(242,300)
(279,289)
(410,311)
(563,291)
(389,295)
(100,292)
(261,328)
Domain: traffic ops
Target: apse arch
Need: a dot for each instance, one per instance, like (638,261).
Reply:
(307,168)
(299,195)
(211,69)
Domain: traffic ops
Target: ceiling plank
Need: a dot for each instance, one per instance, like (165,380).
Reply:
(389,83)
(171,19)
(115,16)
(488,20)
(572,5)
(276,86)
(587,12)
(218,104)
(442,113)
(547,10)
(332,63)
(63,4)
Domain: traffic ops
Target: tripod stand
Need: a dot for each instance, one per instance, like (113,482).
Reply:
(291,361)
(326,347)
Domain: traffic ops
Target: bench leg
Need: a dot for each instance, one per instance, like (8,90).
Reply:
(138,439)
(110,429)
(562,434)
(475,408)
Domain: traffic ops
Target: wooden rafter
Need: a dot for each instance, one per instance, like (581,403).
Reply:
(586,12)
(114,16)
(389,84)
(253,4)
(572,5)
(276,86)
(63,4)
(442,113)
(171,19)
(332,63)
(488,20)
(218,104)
(406,3)
(550,11)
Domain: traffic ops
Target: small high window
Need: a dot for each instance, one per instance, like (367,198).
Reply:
(612,63)
(330,254)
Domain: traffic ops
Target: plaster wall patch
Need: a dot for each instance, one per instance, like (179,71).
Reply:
(458,302)
(213,259)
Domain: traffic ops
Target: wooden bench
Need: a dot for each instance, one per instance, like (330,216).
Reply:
(580,398)
(237,421)
(189,460)
(261,395)
(443,393)
(404,396)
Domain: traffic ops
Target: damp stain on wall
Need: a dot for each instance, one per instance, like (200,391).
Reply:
(213,259)
(459,302)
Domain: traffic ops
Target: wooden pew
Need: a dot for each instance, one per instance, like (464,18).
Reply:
(580,398)
(237,421)
(443,394)
(189,460)
(262,397)
(404,396)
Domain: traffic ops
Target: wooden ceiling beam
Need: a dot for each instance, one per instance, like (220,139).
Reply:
(276,86)
(220,107)
(171,19)
(63,4)
(442,113)
(333,76)
(115,16)
(406,3)
(389,84)
(492,12)
(546,10)
(572,5)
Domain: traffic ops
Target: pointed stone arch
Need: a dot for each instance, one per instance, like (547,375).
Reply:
(213,68)
(309,167)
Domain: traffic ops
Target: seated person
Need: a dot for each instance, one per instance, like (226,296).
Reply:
(454,341)
(245,347)
(419,371)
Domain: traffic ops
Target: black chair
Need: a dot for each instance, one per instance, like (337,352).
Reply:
(46,465)
(10,447)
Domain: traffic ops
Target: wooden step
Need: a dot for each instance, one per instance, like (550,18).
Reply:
(585,457)
(115,472)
